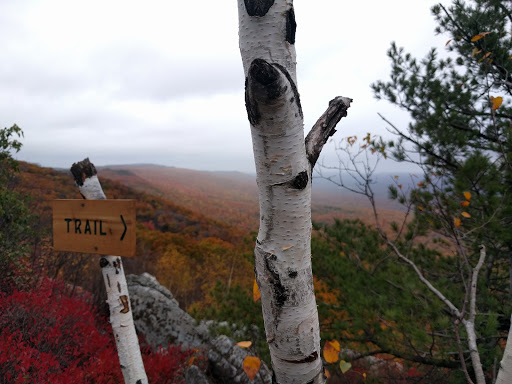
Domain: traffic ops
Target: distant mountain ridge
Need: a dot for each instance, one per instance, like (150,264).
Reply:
(232,197)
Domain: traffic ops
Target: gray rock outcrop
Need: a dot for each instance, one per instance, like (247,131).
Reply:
(158,316)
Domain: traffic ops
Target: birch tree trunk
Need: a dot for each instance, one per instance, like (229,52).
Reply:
(284,163)
(118,299)
(505,371)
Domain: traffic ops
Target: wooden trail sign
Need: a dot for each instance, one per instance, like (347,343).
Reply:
(105,227)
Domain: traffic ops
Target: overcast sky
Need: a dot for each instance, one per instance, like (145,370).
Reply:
(161,82)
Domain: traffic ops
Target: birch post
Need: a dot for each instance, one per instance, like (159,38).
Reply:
(284,163)
(505,371)
(118,300)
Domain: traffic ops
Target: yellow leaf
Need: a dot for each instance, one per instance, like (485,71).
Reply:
(252,365)
(420,184)
(479,36)
(448,42)
(466,215)
(396,176)
(456,221)
(327,374)
(510,57)
(336,345)
(287,247)
(345,366)
(496,102)
(420,208)
(475,52)
(400,186)
(256,295)
(487,54)
(467,195)
(331,350)
(465,203)
(244,344)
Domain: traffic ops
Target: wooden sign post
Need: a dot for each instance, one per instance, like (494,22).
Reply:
(105,227)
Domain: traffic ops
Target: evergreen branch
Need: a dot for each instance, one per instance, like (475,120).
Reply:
(398,354)
(476,133)
(419,145)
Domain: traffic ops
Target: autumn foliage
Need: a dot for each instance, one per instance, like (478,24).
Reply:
(49,336)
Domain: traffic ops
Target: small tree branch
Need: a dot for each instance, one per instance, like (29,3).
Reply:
(474,281)
(470,324)
(325,127)
(461,353)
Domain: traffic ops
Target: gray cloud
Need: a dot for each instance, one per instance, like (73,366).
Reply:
(162,82)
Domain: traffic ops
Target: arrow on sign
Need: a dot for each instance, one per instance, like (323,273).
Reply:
(125,227)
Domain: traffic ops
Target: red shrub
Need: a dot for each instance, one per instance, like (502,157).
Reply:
(46,336)
(166,365)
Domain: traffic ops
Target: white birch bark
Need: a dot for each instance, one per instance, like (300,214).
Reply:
(470,323)
(118,299)
(505,371)
(283,166)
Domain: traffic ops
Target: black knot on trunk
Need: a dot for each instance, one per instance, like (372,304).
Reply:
(279,291)
(83,170)
(253,112)
(300,181)
(103,262)
(258,7)
(263,72)
(291,26)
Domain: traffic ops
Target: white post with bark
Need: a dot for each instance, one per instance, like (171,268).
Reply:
(284,163)
(118,300)
(505,371)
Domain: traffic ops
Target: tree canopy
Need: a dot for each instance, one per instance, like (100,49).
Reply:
(460,109)
(15,218)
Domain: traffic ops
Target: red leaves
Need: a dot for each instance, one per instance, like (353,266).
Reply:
(50,337)
(166,365)
(46,337)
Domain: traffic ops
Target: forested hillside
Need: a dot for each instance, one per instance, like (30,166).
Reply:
(186,250)
(208,265)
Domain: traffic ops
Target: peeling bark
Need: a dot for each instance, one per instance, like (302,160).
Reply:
(283,246)
(118,298)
